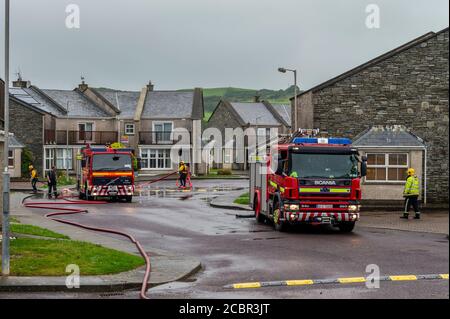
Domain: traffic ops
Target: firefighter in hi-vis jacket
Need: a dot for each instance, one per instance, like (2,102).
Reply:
(183,171)
(411,194)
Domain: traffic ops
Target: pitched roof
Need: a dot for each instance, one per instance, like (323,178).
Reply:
(168,105)
(374,61)
(388,136)
(284,110)
(13,142)
(78,105)
(34,99)
(124,101)
(254,113)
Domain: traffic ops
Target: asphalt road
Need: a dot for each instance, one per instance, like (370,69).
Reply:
(240,250)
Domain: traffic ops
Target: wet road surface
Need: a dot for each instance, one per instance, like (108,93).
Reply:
(236,250)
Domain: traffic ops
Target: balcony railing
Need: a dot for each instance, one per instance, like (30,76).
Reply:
(80,137)
(162,138)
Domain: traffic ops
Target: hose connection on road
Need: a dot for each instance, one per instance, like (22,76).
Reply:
(61,211)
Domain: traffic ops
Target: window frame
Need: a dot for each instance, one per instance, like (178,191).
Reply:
(127,127)
(145,155)
(163,132)
(387,166)
(13,157)
(65,158)
(91,131)
(52,159)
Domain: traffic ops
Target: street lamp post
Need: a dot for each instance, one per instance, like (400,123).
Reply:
(67,141)
(284,70)
(5,224)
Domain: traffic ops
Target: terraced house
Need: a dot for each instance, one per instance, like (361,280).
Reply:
(151,122)
(260,116)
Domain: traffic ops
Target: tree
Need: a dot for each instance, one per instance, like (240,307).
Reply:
(27,159)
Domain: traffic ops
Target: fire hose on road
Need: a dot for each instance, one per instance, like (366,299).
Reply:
(58,211)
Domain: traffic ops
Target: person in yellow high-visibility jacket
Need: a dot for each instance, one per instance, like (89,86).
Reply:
(183,171)
(411,194)
(33,177)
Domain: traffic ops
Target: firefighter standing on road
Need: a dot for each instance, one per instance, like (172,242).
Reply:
(34,177)
(411,194)
(183,171)
(51,181)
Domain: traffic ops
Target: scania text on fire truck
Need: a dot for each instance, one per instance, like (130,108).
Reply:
(107,172)
(308,180)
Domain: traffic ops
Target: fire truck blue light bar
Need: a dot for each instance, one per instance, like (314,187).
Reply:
(314,140)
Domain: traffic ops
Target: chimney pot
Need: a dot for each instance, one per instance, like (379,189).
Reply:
(19,83)
(83,86)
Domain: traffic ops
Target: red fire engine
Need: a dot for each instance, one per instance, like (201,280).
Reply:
(106,172)
(308,180)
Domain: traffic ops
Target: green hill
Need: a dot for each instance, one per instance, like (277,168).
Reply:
(212,96)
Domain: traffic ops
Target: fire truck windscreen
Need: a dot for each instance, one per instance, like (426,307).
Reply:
(112,162)
(330,166)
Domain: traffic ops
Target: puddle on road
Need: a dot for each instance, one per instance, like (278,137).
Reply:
(144,194)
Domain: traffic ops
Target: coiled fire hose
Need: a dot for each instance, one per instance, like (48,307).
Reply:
(58,211)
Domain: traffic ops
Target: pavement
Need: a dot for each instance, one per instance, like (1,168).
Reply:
(238,250)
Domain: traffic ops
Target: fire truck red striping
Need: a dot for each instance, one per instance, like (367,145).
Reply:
(71,211)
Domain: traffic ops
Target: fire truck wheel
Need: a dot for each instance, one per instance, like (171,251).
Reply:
(278,224)
(346,227)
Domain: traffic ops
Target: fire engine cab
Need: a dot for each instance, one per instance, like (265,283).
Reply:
(106,172)
(308,180)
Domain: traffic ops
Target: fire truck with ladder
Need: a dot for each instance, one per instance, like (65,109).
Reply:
(107,172)
(308,180)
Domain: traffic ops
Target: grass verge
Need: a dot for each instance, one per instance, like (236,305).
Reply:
(36,231)
(244,199)
(50,257)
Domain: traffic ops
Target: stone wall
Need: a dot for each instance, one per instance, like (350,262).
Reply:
(27,126)
(409,88)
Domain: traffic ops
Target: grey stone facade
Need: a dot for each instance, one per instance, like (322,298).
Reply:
(27,125)
(407,86)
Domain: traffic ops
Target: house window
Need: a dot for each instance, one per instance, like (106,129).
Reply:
(390,167)
(85,132)
(156,158)
(49,159)
(163,132)
(11,158)
(63,158)
(129,129)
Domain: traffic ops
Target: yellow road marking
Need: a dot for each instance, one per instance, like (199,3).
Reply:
(403,278)
(247,285)
(299,282)
(351,280)
(343,280)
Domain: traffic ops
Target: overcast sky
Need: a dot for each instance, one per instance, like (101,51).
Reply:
(206,43)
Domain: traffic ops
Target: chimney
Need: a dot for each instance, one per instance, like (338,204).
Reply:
(256,99)
(150,86)
(83,86)
(19,83)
